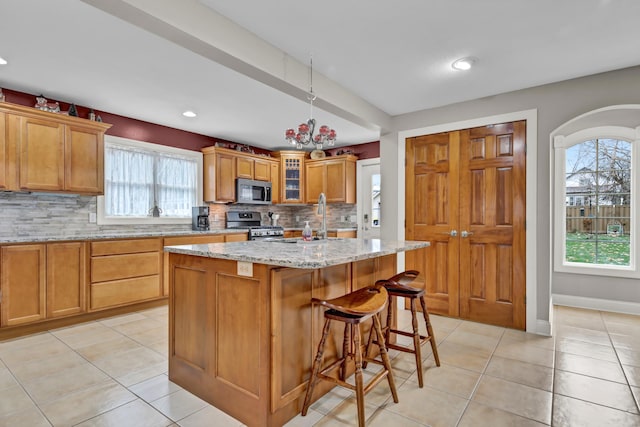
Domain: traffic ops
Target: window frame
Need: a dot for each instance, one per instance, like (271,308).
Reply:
(103,219)
(560,144)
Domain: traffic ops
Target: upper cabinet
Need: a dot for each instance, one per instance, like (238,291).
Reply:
(222,166)
(333,176)
(292,176)
(44,151)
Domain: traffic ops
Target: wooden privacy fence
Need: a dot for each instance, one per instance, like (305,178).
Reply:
(610,219)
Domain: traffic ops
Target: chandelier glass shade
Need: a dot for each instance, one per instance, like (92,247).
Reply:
(305,134)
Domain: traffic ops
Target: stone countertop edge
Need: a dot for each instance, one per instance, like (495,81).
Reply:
(113,235)
(290,253)
(338,229)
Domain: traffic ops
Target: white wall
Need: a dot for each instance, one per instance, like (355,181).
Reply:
(555,103)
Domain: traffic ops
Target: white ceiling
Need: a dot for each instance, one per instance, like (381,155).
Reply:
(246,79)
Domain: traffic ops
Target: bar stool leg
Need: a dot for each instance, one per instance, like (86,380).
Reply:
(317,363)
(385,358)
(416,341)
(432,337)
(390,308)
(359,380)
(345,350)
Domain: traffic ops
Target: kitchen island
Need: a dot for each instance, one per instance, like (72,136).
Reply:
(242,329)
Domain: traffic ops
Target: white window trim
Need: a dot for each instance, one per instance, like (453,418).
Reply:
(560,144)
(102,219)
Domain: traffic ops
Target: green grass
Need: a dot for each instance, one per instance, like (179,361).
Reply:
(597,249)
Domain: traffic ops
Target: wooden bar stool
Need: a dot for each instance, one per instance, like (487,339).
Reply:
(352,309)
(397,286)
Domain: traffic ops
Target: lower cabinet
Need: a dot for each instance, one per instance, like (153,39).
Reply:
(124,272)
(23,284)
(66,279)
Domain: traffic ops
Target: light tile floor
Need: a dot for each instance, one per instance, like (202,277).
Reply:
(113,372)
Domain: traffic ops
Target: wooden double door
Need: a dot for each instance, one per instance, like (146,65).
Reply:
(465,193)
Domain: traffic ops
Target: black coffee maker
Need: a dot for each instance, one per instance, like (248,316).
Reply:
(200,218)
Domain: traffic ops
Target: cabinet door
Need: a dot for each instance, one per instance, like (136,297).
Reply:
(225,178)
(244,167)
(275,182)
(41,151)
(22,281)
(315,181)
(4,153)
(335,189)
(84,160)
(292,178)
(66,279)
(262,170)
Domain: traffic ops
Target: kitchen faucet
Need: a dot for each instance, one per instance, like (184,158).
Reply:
(322,209)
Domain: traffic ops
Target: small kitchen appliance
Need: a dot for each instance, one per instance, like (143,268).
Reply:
(251,221)
(200,218)
(253,192)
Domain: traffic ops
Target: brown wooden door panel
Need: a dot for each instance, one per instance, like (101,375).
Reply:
(471,182)
(66,278)
(84,160)
(41,150)
(22,281)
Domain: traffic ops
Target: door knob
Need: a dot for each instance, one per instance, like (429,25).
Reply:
(465,233)
(452,233)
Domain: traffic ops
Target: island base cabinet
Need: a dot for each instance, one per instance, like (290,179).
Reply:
(246,344)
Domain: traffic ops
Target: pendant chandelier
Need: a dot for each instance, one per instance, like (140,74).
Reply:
(305,135)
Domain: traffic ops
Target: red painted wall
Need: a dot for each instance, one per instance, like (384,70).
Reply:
(139,130)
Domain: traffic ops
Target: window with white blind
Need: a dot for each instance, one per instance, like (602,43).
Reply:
(148,183)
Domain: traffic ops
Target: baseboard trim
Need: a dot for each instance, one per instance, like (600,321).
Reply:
(597,304)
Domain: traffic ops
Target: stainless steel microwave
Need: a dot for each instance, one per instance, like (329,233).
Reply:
(253,192)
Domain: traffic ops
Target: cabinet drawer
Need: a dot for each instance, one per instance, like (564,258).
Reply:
(119,292)
(114,247)
(193,240)
(116,267)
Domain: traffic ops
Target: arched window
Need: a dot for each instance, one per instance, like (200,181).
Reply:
(595,194)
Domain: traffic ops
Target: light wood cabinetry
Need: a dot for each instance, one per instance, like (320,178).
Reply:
(292,179)
(276,193)
(22,281)
(252,359)
(66,279)
(51,152)
(222,166)
(124,272)
(334,176)
(7,157)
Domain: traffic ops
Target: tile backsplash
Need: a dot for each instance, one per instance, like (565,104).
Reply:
(37,214)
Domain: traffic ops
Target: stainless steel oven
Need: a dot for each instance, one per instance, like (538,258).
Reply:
(251,221)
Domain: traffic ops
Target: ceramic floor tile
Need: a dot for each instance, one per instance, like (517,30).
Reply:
(36,368)
(85,404)
(636,394)
(345,414)
(150,371)
(125,318)
(633,375)
(160,347)
(472,339)
(27,341)
(25,417)
(67,381)
(595,390)
(6,379)
(568,412)
(477,415)
(525,352)
(384,418)
(179,405)
(596,351)
(209,416)
(154,388)
(121,364)
(532,339)
(150,336)
(610,371)
(138,326)
(133,414)
(85,334)
(581,334)
(450,379)
(404,365)
(428,406)
(629,319)
(628,357)
(463,356)
(308,420)
(519,399)
(441,323)
(626,341)
(631,330)
(102,349)
(331,400)
(536,376)
(482,329)
(14,399)
(16,356)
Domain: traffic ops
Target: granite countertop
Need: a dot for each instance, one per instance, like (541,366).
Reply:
(298,254)
(103,235)
(328,229)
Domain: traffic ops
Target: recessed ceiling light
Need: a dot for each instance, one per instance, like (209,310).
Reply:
(3,61)
(464,64)
(189,113)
